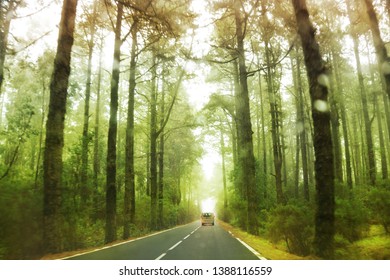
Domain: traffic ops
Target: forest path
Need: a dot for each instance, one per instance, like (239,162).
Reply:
(188,242)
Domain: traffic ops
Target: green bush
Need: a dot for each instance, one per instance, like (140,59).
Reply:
(239,212)
(294,225)
(20,221)
(351,219)
(379,203)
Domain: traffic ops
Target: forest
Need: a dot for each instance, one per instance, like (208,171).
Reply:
(119,118)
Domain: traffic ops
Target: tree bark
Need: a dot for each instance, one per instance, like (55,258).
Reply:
(324,169)
(129,197)
(5,23)
(275,125)
(380,48)
(110,229)
(275,131)
(85,192)
(96,153)
(377,109)
(301,128)
(223,159)
(160,221)
(363,95)
(54,142)
(246,157)
(335,125)
(153,146)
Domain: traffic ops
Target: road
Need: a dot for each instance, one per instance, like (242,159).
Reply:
(188,242)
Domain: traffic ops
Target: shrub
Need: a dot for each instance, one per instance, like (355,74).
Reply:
(379,204)
(294,225)
(20,221)
(351,219)
(238,212)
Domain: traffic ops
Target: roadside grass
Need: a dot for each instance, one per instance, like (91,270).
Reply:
(376,246)
(263,246)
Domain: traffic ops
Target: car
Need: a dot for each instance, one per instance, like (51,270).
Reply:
(207,218)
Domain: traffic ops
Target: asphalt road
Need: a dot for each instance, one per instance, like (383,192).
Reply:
(188,242)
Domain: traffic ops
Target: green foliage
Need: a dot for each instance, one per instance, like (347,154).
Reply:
(294,225)
(351,219)
(238,207)
(20,220)
(379,203)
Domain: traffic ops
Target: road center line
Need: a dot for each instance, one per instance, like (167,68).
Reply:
(174,246)
(177,244)
(161,256)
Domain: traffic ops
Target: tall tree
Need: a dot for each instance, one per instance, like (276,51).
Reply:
(55,130)
(5,21)
(91,30)
(129,199)
(363,95)
(301,126)
(96,144)
(246,159)
(380,48)
(324,171)
(111,168)
(7,9)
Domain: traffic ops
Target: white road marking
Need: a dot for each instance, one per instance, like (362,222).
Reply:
(251,249)
(121,243)
(161,256)
(177,244)
(174,246)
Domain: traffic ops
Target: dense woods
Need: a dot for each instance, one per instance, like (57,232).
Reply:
(120,117)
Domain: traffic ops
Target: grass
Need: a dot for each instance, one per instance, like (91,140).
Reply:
(376,246)
(263,246)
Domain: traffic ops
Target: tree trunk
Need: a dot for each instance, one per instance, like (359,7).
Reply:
(54,142)
(96,153)
(363,95)
(5,23)
(153,146)
(275,130)
(85,192)
(129,197)
(380,48)
(223,159)
(41,131)
(301,128)
(324,170)
(377,109)
(344,123)
(388,8)
(335,125)
(110,230)
(246,157)
(303,142)
(264,139)
(160,221)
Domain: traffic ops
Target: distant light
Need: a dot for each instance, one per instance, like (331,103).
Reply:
(208,205)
